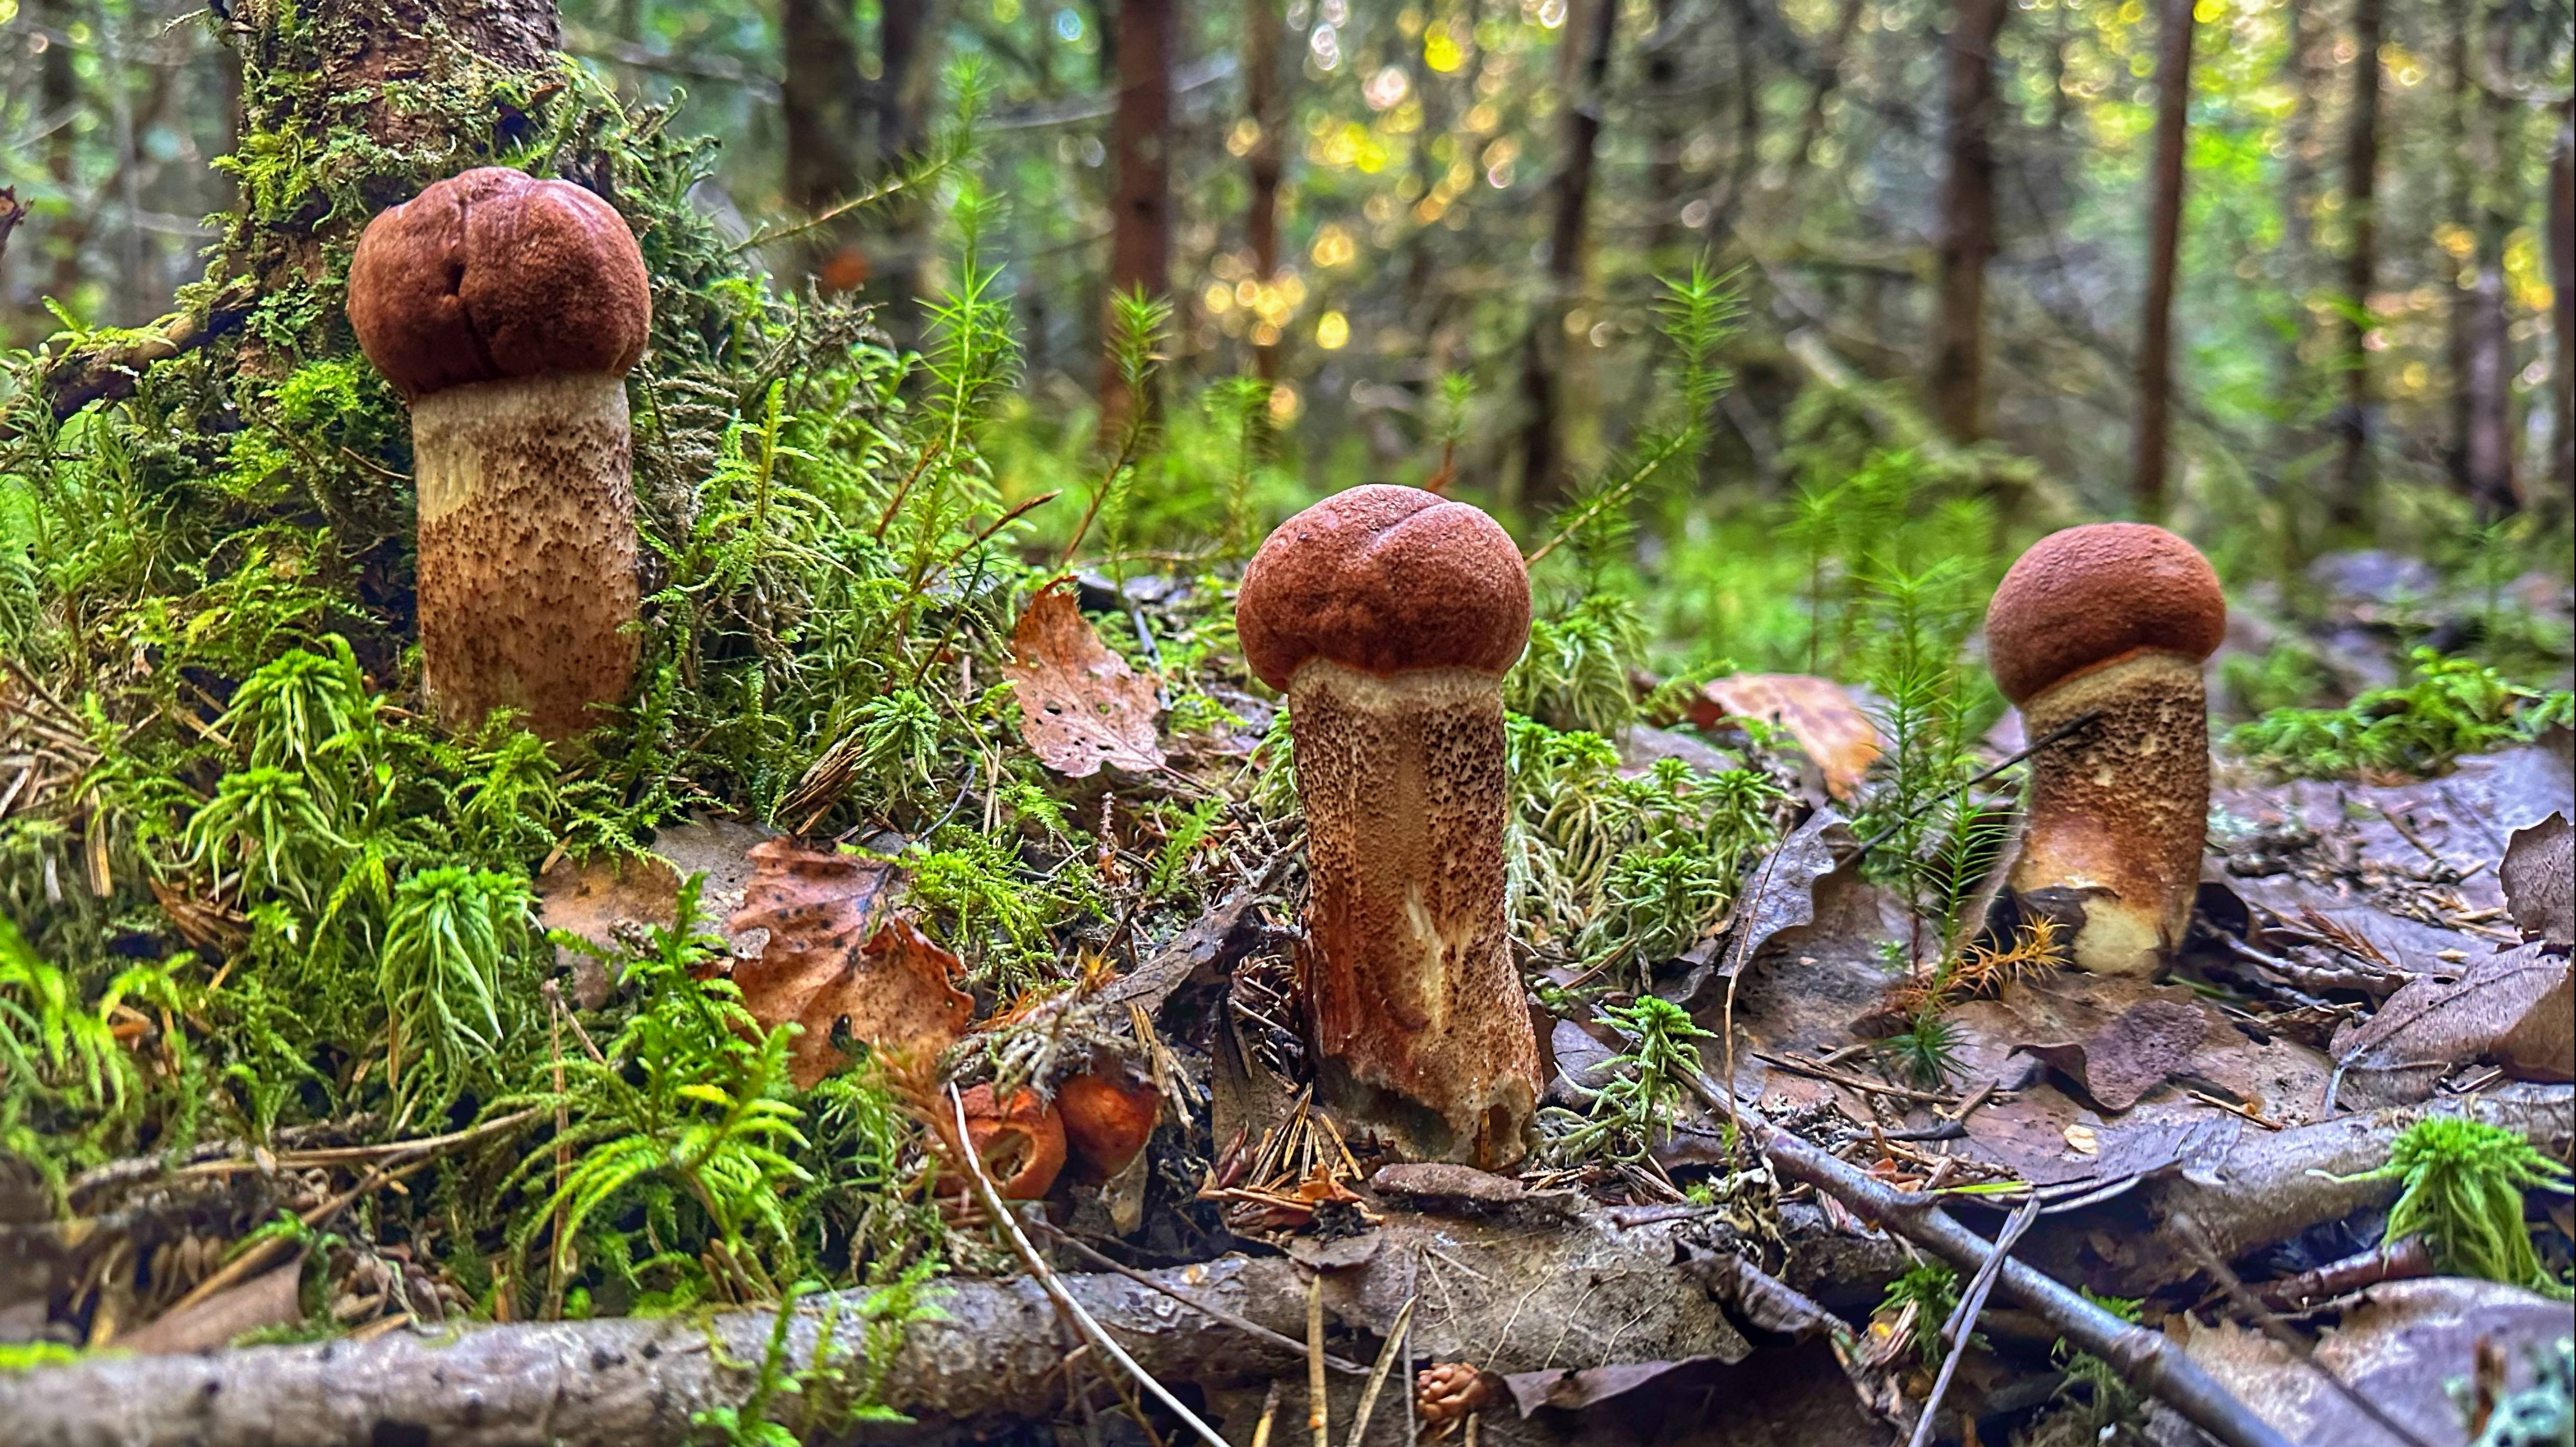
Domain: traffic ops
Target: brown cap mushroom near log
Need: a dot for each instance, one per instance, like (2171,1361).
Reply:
(1388,615)
(2111,620)
(507,310)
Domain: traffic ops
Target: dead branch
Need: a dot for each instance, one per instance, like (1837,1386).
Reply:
(107,369)
(2150,1364)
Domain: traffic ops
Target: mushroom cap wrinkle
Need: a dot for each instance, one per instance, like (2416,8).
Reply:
(2092,595)
(1383,579)
(494,274)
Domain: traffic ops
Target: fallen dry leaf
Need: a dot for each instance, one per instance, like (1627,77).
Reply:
(2402,1348)
(2130,1056)
(268,1299)
(2511,1008)
(1081,706)
(1816,712)
(2539,874)
(837,960)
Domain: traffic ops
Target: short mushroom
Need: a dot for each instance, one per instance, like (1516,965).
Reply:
(1019,1139)
(2112,620)
(507,311)
(1388,616)
(1107,1118)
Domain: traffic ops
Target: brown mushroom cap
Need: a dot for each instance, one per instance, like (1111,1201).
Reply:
(495,274)
(2089,595)
(1383,579)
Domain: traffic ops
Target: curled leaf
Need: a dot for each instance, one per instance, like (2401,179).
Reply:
(839,962)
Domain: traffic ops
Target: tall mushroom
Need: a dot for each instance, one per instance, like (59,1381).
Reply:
(507,311)
(1388,616)
(2111,620)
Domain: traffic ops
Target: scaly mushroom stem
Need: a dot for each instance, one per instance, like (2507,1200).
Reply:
(2119,810)
(527,548)
(1418,1019)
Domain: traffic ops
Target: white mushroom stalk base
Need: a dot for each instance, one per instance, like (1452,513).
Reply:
(2118,813)
(527,549)
(1421,1031)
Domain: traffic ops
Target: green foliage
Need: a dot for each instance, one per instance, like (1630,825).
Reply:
(440,968)
(683,1116)
(2449,708)
(1626,871)
(1932,1289)
(2463,1186)
(1633,1108)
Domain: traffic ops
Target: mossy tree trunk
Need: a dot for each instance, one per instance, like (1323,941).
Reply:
(347,106)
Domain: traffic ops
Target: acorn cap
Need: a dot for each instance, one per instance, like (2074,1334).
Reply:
(1384,579)
(495,274)
(2091,595)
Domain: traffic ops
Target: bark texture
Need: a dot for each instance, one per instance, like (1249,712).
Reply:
(1420,1027)
(1510,1296)
(527,549)
(2118,813)
(1967,223)
(2164,251)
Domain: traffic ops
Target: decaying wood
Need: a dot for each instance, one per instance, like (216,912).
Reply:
(1516,1299)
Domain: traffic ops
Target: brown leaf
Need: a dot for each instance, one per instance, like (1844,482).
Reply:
(1081,706)
(2512,1008)
(2130,1056)
(1816,712)
(2539,874)
(268,1299)
(2402,1349)
(837,959)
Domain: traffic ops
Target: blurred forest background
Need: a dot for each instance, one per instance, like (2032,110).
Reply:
(2293,276)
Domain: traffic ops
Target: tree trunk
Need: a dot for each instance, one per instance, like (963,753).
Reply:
(2349,505)
(903,76)
(58,89)
(2461,204)
(1264,98)
(2164,247)
(2487,446)
(319,70)
(1140,206)
(1967,221)
(2562,276)
(821,94)
(1544,350)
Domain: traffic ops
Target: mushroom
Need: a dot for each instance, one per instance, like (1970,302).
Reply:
(1388,615)
(1018,1138)
(2111,620)
(507,311)
(1107,1118)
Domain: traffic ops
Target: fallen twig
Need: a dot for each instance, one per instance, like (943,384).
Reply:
(1388,1356)
(1962,1325)
(1100,1259)
(1046,1277)
(2144,1359)
(2287,1340)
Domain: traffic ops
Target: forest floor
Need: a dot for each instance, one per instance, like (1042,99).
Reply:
(2196,1151)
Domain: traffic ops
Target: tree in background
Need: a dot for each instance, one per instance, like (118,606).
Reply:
(1967,219)
(1545,350)
(2349,503)
(1140,204)
(2175,28)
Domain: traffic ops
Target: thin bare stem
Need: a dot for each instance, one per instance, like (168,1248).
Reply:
(1053,1285)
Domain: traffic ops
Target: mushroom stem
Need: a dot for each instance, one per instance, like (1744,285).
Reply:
(1416,1008)
(2144,766)
(527,548)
